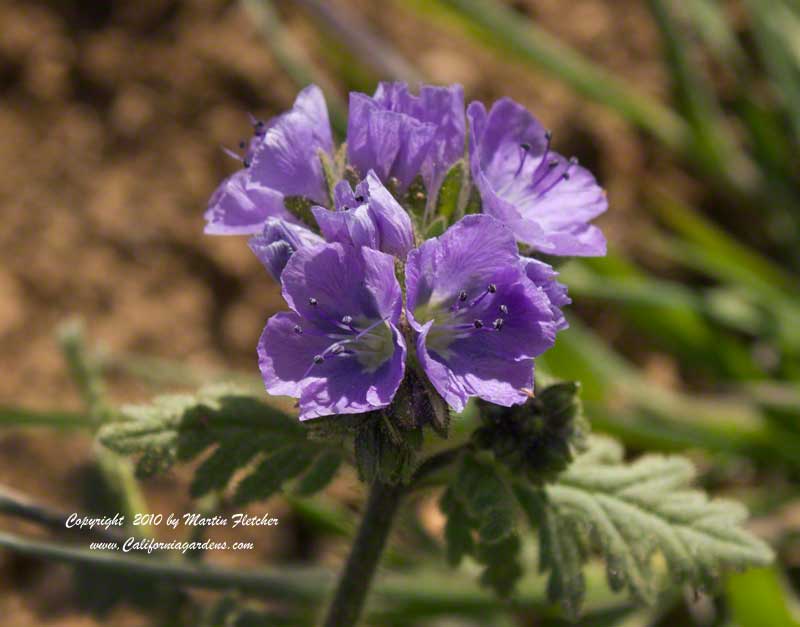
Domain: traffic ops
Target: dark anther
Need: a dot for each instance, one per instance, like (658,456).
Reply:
(345,208)
(573,160)
(318,359)
(347,319)
(478,324)
(498,324)
(312,301)
(565,176)
(462,296)
(504,309)
(246,163)
(242,144)
(360,199)
(492,288)
(298,329)
(548,135)
(552,163)
(525,146)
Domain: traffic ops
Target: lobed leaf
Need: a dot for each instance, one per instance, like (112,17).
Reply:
(646,521)
(238,427)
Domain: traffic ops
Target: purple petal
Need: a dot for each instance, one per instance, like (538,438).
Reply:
(352,226)
(392,144)
(369,217)
(545,199)
(396,234)
(440,106)
(326,283)
(238,207)
(544,277)
(278,241)
(466,257)
(287,160)
(338,385)
(349,389)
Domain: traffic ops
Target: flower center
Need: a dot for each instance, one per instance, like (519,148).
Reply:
(368,341)
(460,317)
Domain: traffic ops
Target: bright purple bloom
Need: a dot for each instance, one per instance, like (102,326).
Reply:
(480,318)
(282,160)
(441,106)
(393,144)
(370,217)
(338,350)
(278,241)
(547,200)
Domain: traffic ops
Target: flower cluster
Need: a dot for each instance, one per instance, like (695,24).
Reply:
(344,231)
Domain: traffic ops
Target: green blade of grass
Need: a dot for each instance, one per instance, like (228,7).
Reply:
(503,28)
(57,419)
(697,101)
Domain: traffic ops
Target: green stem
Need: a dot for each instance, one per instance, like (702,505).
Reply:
(355,580)
(425,593)
(116,470)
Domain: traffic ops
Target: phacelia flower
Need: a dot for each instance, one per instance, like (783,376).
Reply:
(441,106)
(480,319)
(339,349)
(278,241)
(369,216)
(394,145)
(281,160)
(546,199)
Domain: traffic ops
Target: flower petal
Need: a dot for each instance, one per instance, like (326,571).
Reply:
(278,241)
(396,235)
(392,144)
(466,257)
(238,207)
(326,283)
(545,199)
(441,106)
(287,159)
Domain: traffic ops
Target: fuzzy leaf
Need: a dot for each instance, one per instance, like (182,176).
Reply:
(645,520)
(240,429)
(300,208)
(480,522)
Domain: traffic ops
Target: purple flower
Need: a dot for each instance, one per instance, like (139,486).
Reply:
(278,241)
(393,144)
(547,200)
(338,350)
(282,160)
(370,217)
(480,319)
(441,106)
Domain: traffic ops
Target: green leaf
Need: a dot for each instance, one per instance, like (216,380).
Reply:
(416,197)
(275,469)
(457,530)
(238,427)
(320,474)
(651,528)
(450,191)
(480,512)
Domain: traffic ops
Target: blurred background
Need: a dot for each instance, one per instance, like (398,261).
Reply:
(686,337)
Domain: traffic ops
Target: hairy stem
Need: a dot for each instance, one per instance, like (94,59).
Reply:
(355,580)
